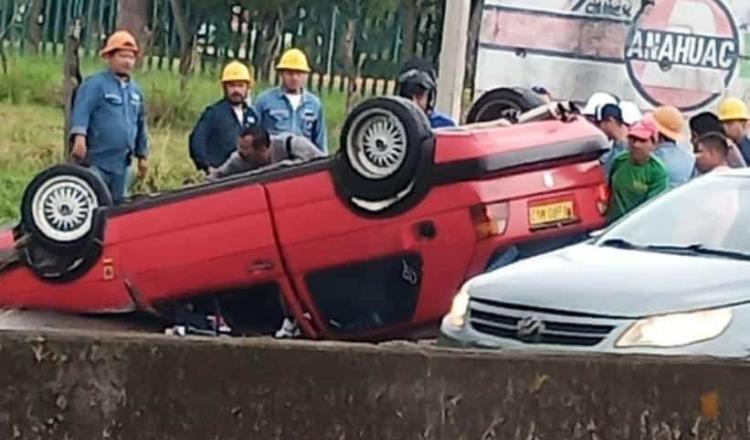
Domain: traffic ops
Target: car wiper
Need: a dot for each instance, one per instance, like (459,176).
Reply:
(700,249)
(619,243)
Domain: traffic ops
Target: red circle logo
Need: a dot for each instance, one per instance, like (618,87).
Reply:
(683,52)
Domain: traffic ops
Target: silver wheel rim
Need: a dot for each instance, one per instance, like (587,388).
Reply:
(377,144)
(63,208)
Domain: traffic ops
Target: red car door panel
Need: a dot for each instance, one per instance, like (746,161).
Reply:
(91,294)
(318,233)
(197,245)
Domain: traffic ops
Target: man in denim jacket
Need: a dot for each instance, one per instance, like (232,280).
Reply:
(108,123)
(290,108)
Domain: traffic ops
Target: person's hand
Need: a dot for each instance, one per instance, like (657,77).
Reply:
(78,153)
(142,168)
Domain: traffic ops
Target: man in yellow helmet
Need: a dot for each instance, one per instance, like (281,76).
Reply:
(215,136)
(290,108)
(734,115)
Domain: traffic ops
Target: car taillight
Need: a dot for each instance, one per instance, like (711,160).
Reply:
(602,199)
(490,220)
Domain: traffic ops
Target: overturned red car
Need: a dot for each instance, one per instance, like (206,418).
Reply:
(368,244)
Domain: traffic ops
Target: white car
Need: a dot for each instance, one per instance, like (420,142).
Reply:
(673,277)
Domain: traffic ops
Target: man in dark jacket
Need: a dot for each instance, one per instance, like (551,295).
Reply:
(214,137)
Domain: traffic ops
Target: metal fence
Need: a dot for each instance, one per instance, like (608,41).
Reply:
(239,33)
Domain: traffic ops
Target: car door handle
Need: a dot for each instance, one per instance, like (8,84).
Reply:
(261,266)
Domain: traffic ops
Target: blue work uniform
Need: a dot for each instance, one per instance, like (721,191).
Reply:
(111,113)
(679,162)
(744,147)
(439,120)
(277,116)
(214,137)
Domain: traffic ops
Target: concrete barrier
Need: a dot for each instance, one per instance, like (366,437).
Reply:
(71,386)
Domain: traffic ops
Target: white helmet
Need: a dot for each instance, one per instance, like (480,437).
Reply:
(630,112)
(597,100)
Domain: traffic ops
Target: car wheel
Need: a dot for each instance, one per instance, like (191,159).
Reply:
(385,148)
(57,267)
(61,205)
(503,103)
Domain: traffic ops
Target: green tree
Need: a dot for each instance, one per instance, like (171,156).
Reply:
(189,16)
(271,18)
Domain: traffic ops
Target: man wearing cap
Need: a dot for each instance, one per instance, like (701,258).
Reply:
(637,174)
(707,122)
(610,122)
(734,115)
(215,135)
(680,163)
(108,122)
(290,108)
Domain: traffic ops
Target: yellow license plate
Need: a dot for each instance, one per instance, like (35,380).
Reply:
(552,213)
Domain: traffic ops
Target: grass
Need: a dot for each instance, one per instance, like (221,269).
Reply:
(31,132)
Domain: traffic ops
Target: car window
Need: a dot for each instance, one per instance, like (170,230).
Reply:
(713,212)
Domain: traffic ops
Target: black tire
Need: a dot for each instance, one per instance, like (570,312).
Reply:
(62,208)
(386,150)
(57,267)
(503,103)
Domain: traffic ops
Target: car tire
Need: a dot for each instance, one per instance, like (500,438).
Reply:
(506,103)
(57,267)
(61,208)
(386,153)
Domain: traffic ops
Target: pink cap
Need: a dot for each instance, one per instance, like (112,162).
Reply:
(644,130)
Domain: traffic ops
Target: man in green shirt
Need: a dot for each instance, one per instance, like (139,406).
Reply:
(637,175)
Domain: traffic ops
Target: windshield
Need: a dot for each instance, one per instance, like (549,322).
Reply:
(711,213)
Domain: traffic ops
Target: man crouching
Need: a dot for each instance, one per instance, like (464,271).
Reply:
(257,149)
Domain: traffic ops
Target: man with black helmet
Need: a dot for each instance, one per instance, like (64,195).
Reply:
(418,82)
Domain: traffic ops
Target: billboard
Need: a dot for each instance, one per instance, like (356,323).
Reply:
(687,53)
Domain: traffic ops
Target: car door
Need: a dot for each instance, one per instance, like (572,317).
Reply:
(206,240)
(365,276)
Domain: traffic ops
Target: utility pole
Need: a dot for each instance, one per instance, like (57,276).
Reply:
(453,57)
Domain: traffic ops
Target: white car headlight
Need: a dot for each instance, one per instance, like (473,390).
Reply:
(460,307)
(676,330)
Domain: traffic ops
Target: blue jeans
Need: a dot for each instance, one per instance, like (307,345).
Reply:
(116,183)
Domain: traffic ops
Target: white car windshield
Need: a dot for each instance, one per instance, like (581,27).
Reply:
(710,216)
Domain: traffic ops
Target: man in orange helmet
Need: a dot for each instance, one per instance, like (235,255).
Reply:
(108,124)
(679,161)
